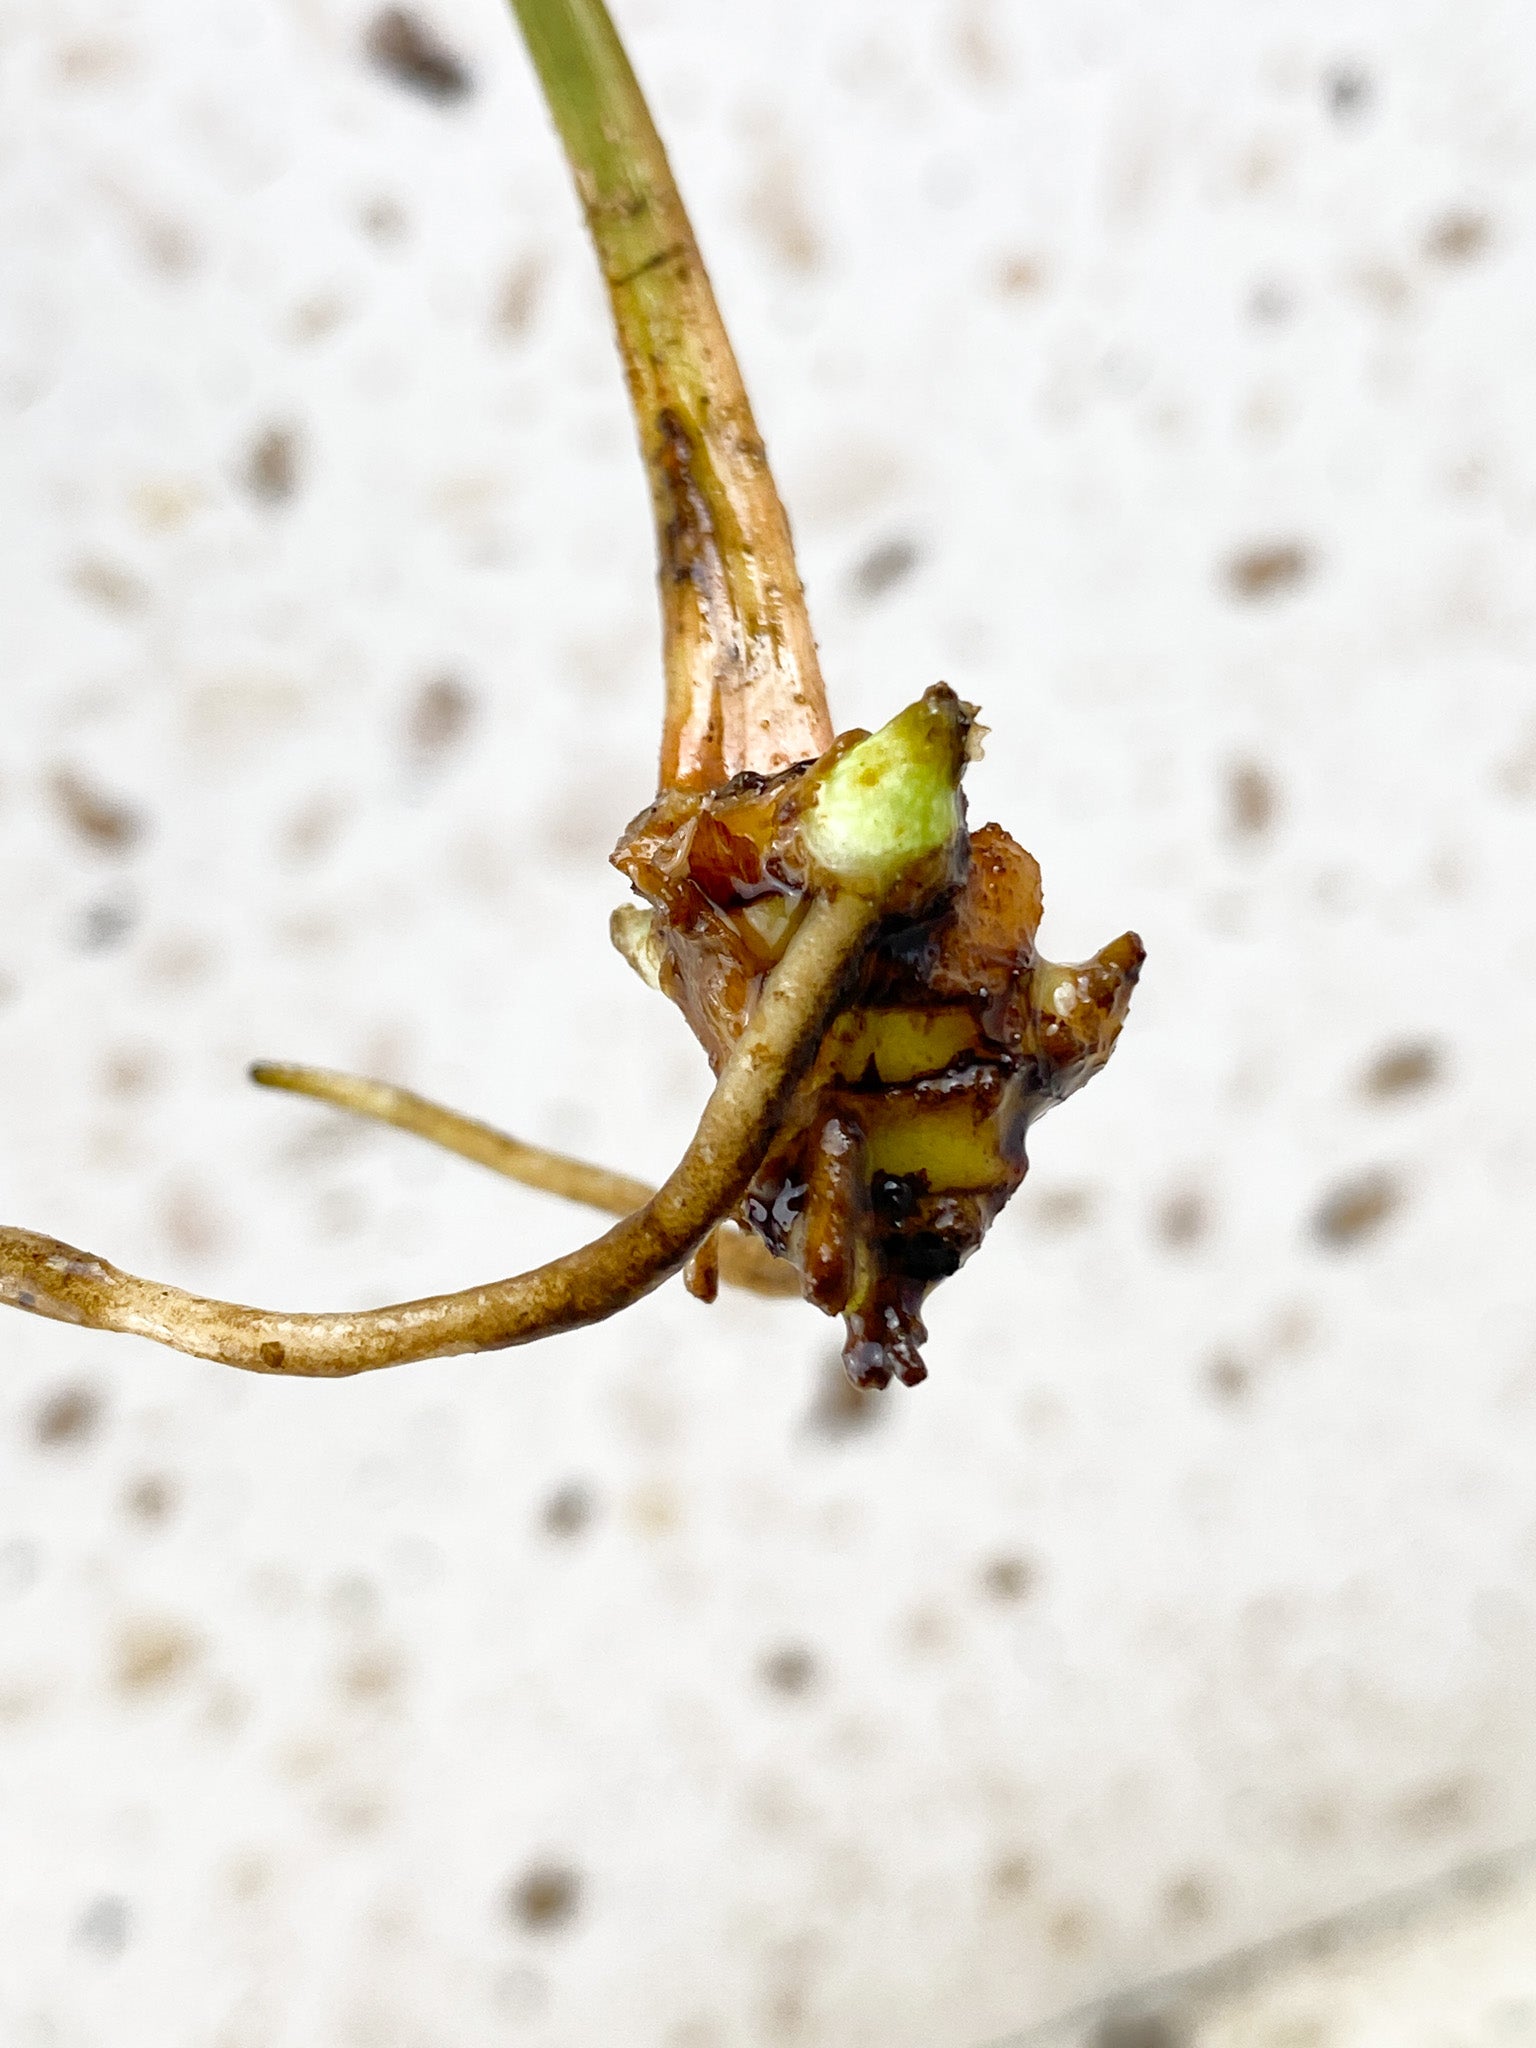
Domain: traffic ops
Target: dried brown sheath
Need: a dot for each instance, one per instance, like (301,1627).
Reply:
(743,687)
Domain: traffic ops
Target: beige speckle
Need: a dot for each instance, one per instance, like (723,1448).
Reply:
(1269,569)
(887,564)
(1356,1208)
(306,1758)
(1069,1930)
(316,317)
(272,465)
(164,503)
(1458,236)
(353,1810)
(1251,800)
(546,1897)
(439,716)
(1183,1218)
(408,49)
(654,1508)
(131,1070)
(248,1877)
(790,1670)
(1405,1069)
(1228,1378)
(1436,1808)
(97,819)
(1013,1876)
(928,1632)
(383,218)
(1019,277)
(94,60)
(372,1677)
(976,44)
(151,1498)
(1347,90)
(313,828)
(1187,1901)
(1062,1208)
(151,1655)
(1260,164)
(522,290)
(1008,1578)
(69,1417)
(109,584)
(1383,286)
(568,1511)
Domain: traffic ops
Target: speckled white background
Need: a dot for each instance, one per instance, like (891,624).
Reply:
(618,1691)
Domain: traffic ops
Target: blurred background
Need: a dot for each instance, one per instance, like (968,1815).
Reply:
(1161,378)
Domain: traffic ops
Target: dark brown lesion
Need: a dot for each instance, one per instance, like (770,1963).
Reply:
(909,1134)
(743,685)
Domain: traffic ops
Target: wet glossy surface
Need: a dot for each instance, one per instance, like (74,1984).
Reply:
(908,1136)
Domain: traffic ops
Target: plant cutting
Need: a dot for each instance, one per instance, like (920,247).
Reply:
(858,965)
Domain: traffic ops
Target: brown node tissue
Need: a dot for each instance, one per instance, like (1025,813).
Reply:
(908,1135)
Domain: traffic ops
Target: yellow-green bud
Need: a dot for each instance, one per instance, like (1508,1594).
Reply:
(891,804)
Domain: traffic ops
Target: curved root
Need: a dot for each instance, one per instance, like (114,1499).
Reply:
(745,1261)
(738,1124)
